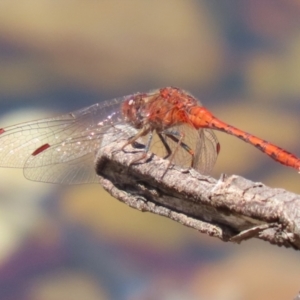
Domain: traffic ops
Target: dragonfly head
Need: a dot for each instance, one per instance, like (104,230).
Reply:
(132,110)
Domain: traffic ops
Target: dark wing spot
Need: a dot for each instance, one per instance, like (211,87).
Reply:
(40,149)
(218,148)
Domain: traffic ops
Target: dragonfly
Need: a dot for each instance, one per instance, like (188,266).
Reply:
(169,121)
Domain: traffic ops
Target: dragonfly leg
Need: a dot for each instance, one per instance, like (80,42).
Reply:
(146,148)
(166,145)
(177,137)
(133,141)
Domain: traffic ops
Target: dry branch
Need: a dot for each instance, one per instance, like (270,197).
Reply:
(231,208)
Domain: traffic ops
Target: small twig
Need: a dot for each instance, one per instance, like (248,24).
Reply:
(231,208)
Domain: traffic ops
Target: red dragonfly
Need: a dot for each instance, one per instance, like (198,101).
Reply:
(64,149)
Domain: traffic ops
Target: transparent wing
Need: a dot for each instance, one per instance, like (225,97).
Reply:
(202,143)
(81,167)
(77,171)
(63,149)
(206,151)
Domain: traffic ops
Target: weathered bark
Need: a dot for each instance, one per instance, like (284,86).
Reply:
(231,208)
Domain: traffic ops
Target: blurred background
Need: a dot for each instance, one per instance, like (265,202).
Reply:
(240,58)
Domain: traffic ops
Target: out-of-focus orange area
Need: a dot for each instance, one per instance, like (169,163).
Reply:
(240,58)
